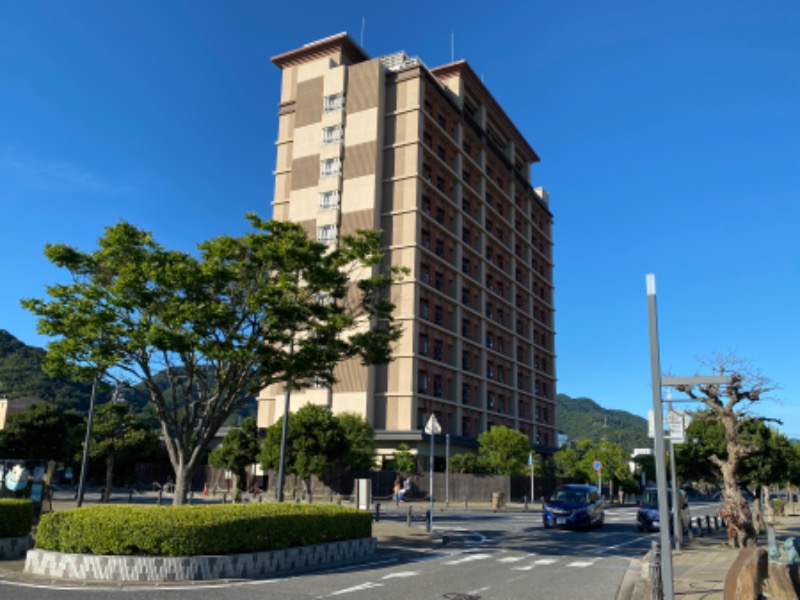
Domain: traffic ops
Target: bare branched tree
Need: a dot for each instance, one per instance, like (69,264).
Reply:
(731,405)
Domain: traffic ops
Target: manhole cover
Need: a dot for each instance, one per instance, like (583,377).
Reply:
(459,596)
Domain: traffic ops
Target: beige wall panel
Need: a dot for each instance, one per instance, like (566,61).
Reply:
(310,228)
(280,212)
(285,127)
(400,195)
(330,150)
(362,127)
(266,413)
(317,68)
(359,194)
(309,103)
(408,94)
(400,410)
(329,184)
(360,160)
(351,375)
(304,205)
(361,219)
(283,185)
(364,81)
(327,217)
(401,128)
(390,98)
(334,81)
(307,140)
(289,84)
(353,402)
(305,172)
(283,159)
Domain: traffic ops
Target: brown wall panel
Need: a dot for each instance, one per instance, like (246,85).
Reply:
(360,219)
(309,102)
(363,81)
(352,376)
(305,172)
(360,160)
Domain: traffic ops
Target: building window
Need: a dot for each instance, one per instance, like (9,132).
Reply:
(439,282)
(437,386)
(501,374)
(490,400)
(466,363)
(490,341)
(329,200)
(437,349)
(465,430)
(425,310)
(423,345)
(332,134)
(423,383)
(333,102)
(326,234)
(465,298)
(490,371)
(465,267)
(501,347)
(465,329)
(438,316)
(465,393)
(330,167)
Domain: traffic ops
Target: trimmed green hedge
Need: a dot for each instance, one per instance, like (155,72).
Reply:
(116,529)
(16,517)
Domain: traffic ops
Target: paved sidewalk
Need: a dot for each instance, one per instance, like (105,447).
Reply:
(700,567)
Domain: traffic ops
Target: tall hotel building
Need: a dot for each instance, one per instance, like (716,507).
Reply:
(429,157)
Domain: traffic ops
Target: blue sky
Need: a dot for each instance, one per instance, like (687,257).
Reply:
(669,134)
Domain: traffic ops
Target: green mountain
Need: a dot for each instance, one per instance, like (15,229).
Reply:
(582,418)
(21,376)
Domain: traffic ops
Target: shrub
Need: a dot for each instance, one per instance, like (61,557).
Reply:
(16,517)
(195,530)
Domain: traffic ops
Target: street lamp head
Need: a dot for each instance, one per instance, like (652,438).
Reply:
(650,278)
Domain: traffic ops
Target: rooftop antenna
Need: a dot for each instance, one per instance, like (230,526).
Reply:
(452,47)
(363,25)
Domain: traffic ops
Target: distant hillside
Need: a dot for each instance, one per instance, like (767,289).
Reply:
(582,418)
(21,376)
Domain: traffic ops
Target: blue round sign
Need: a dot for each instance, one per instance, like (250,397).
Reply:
(597,465)
(17,478)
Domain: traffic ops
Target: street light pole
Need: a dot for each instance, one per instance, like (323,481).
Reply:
(87,441)
(658,417)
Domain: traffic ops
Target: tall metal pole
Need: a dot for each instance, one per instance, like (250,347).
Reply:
(532,461)
(430,509)
(658,417)
(447,470)
(677,527)
(287,394)
(87,441)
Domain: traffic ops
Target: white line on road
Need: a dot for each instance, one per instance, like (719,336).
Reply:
(620,545)
(581,563)
(468,558)
(511,559)
(401,574)
(357,588)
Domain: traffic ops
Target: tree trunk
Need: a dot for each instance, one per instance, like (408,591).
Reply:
(183,482)
(740,520)
(109,477)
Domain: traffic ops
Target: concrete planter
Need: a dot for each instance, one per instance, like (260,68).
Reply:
(194,568)
(14,548)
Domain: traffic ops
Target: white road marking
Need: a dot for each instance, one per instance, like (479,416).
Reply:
(510,559)
(581,563)
(357,588)
(401,574)
(468,558)
(635,540)
(545,561)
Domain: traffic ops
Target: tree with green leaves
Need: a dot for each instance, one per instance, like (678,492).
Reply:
(316,441)
(239,449)
(615,464)
(360,436)
(570,460)
(504,451)
(268,307)
(43,433)
(730,405)
(465,463)
(404,460)
(117,435)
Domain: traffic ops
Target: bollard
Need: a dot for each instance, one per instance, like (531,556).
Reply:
(130,498)
(655,571)
(377,511)
(466,502)
(160,493)
(708,523)
(700,526)
(408,515)
(191,497)
(428,520)
(716,522)
(525,502)
(224,497)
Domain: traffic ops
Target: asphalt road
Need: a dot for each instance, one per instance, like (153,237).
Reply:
(487,556)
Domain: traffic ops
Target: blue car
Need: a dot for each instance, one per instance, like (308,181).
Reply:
(575,506)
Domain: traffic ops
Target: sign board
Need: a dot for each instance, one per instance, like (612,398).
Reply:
(597,465)
(530,458)
(677,421)
(432,426)
(651,424)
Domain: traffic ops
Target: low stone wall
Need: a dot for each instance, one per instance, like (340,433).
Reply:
(14,548)
(194,568)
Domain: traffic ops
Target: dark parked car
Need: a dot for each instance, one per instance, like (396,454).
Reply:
(574,505)
(647,518)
